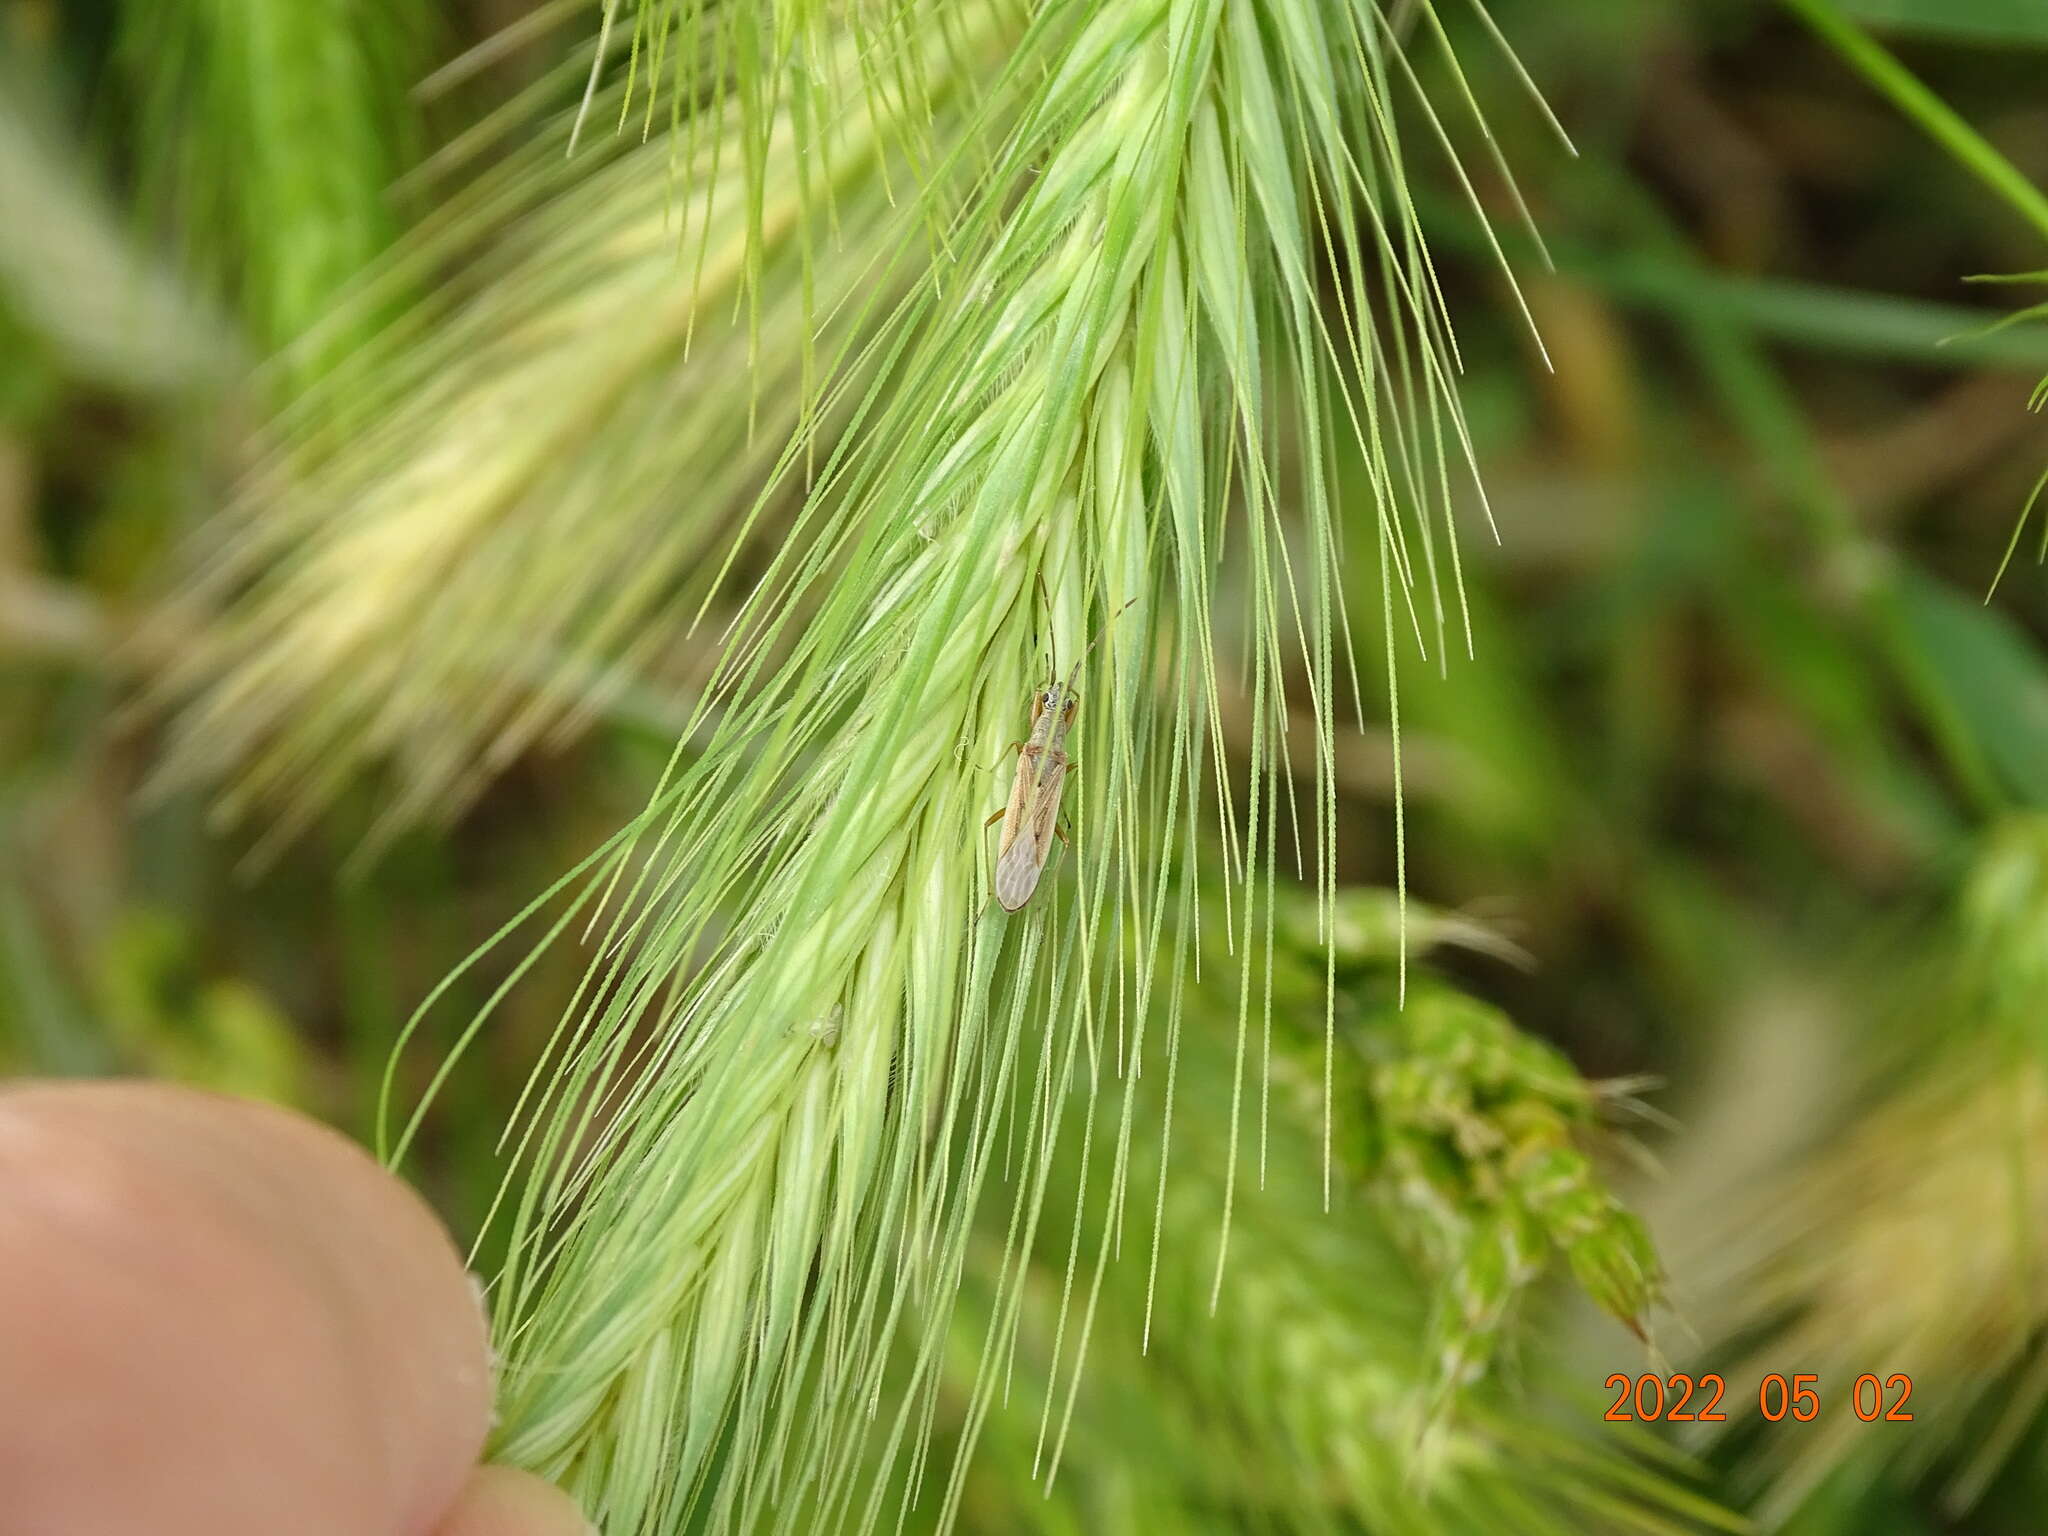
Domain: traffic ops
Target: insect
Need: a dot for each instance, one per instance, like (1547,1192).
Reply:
(1031,819)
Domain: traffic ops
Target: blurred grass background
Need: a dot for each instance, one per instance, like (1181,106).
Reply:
(1746,763)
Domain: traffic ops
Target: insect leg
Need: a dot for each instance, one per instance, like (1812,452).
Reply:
(1015,746)
(1057,830)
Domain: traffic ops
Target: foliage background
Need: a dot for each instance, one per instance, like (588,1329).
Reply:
(1744,764)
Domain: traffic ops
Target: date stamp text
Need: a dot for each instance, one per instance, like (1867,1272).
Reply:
(1683,1399)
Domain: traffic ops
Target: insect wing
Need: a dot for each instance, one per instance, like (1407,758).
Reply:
(1017,815)
(1023,860)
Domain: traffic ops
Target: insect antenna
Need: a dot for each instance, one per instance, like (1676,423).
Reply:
(1052,638)
(1092,644)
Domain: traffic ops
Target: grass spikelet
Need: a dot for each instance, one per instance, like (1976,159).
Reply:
(1913,1187)
(1939,1176)
(808,1044)
(270,130)
(1480,1138)
(75,282)
(534,504)
(1481,1125)
(2037,401)
(2002,918)
(1314,1360)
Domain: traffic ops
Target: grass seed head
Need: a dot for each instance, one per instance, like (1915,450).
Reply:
(727,1235)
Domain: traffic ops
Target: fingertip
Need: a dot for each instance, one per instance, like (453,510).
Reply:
(228,1319)
(504,1501)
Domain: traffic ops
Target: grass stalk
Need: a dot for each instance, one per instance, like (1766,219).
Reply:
(1935,117)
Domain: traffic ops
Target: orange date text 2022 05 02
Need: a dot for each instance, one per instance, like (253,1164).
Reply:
(1682,1399)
